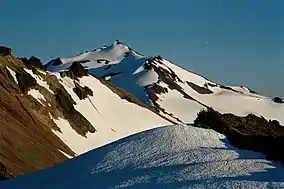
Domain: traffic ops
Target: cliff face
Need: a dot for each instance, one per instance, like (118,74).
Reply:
(27,142)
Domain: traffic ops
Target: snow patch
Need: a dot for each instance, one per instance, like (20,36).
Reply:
(37,95)
(39,80)
(65,154)
(13,74)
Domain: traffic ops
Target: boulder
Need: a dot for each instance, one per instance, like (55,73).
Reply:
(278,100)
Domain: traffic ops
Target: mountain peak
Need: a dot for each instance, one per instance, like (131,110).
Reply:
(117,42)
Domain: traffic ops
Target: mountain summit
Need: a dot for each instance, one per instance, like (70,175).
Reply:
(170,90)
(70,106)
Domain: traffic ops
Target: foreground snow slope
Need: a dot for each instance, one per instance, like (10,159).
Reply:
(177,93)
(168,157)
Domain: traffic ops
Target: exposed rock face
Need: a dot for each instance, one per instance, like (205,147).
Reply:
(82,92)
(27,142)
(33,63)
(167,76)
(4,51)
(55,62)
(228,88)
(250,132)
(278,100)
(25,80)
(32,145)
(65,104)
(76,71)
(200,90)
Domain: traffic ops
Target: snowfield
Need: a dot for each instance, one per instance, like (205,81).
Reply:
(133,72)
(175,156)
(111,116)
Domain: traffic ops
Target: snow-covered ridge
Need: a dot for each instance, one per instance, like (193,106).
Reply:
(60,115)
(173,91)
(168,157)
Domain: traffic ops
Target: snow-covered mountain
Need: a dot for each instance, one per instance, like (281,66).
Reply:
(171,90)
(49,116)
(73,105)
(168,157)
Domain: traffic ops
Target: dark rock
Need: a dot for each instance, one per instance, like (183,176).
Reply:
(118,42)
(200,90)
(274,122)
(56,62)
(249,133)
(64,100)
(102,60)
(252,91)
(147,66)
(4,51)
(82,92)
(212,85)
(77,121)
(33,62)
(3,172)
(76,71)
(159,57)
(126,54)
(278,100)
(228,88)
(83,61)
(25,80)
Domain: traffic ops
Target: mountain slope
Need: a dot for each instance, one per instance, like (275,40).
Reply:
(172,91)
(49,117)
(168,157)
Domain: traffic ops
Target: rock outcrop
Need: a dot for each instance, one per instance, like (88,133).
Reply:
(278,100)
(249,133)
(27,142)
(75,71)
(33,63)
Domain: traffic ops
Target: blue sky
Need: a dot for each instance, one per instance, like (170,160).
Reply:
(237,42)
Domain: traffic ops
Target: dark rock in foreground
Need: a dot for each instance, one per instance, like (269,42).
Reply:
(249,133)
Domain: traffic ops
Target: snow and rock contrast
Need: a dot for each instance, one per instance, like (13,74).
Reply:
(168,157)
(73,105)
(172,91)
(48,117)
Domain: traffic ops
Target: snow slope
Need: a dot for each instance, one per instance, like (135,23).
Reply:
(168,157)
(111,116)
(184,93)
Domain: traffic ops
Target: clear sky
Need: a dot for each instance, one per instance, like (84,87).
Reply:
(237,42)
